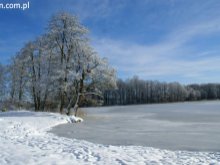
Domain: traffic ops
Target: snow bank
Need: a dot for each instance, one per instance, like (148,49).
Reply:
(74,119)
(24,140)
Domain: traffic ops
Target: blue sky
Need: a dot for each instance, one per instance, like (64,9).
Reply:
(165,40)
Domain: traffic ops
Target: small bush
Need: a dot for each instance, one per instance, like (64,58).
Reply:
(4,109)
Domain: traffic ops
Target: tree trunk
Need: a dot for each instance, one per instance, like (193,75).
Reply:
(75,108)
(61,103)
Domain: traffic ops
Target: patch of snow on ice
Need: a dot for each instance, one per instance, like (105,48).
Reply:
(74,119)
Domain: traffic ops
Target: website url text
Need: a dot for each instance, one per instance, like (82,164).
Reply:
(20,6)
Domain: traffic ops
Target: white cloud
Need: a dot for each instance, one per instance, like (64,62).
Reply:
(169,58)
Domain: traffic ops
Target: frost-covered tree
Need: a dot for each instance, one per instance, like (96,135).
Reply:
(90,75)
(60,65)
(78,66)
(13,79)
(38,59)
(2,82)
(65,33)
(33,54)
(18,77)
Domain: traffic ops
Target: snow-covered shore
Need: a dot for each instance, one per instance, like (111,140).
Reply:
(24,140)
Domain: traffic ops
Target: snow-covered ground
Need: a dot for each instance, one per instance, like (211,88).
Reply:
(24,140)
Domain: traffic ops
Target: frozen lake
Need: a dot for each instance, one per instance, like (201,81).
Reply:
(193,126)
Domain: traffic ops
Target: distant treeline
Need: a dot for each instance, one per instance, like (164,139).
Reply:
(136,91)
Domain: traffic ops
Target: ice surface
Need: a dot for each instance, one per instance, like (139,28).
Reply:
(180,126)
